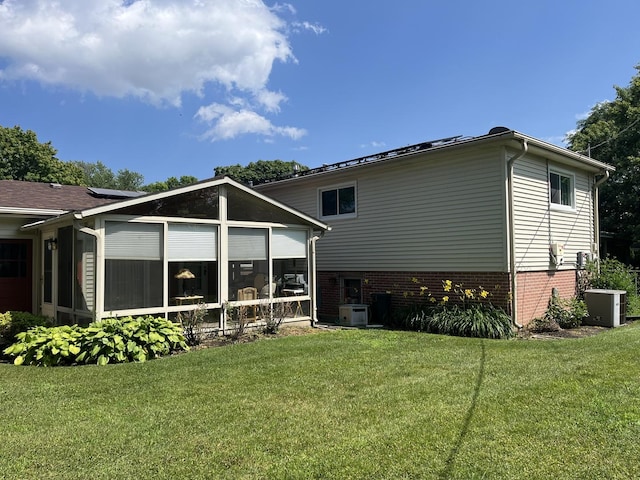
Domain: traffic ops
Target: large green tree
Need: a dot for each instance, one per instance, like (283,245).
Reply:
(170,183)
(23,157)
(260,171)
(611,133)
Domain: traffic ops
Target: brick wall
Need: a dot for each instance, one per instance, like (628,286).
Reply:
(408,288)
(534,291)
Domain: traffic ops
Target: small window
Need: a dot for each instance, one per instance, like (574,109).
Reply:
(338,201)
(351,290)
(561,189)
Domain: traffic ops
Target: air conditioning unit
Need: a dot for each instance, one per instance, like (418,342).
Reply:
(354,315)
(607,308)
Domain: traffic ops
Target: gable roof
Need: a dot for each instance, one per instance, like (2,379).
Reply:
(107,207)
(497,135)
(46,198)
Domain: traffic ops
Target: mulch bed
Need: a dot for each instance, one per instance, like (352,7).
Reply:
(579,332)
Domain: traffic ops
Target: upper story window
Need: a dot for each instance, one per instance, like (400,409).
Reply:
(561,190)
(339,201)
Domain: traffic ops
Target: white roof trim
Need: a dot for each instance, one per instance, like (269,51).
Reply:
(33,212)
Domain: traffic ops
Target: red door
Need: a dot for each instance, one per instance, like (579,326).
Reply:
(15,275)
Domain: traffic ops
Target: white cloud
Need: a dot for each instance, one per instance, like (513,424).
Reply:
(154,50)
(373,144)
(227,123)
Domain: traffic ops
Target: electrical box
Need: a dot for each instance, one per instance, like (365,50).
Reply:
(607,308)
(582,259)
(354,315)
(556,251)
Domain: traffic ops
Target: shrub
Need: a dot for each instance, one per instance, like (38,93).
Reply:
(615,275)
(112,340)
(273,314)
(191,322)
(483,321)
(567,313)
(12,323)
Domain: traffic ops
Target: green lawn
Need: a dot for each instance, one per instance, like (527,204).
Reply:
(339,404)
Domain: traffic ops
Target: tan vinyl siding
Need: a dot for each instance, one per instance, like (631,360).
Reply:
(537,224)
(10,227)
(431,213)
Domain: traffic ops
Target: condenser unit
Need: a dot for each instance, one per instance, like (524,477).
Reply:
(607,308)
(354,315)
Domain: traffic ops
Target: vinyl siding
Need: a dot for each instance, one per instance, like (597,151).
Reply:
(537,224)
(10,227)
(430,212)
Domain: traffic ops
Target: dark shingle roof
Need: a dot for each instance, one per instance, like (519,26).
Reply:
(48,196)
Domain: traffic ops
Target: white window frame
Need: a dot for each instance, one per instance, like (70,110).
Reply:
(572,190)
(338,215)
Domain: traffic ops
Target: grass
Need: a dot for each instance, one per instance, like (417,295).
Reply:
(341,404)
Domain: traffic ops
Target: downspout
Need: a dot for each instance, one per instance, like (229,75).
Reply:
(314,296)
(512,235)
(596,215)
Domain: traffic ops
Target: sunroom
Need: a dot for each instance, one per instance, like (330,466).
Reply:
(216,245)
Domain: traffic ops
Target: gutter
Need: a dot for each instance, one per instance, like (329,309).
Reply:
(512,235)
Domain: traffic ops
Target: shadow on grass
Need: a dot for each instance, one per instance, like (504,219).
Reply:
(453,454)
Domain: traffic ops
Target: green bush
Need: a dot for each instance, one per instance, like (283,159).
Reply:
(615,275)
(483,321)
(567,313)
(12,323)
(107,341)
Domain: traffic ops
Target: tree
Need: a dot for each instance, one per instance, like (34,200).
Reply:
(97,174)
(260,171)
(129,180)
(611,133)
(170,183)
(23,157)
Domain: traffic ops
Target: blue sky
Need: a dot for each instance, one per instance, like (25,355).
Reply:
(178,87)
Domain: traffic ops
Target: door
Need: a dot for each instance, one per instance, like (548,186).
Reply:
(16,290)
(48,253)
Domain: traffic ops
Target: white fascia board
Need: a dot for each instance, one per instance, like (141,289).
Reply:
(31,212)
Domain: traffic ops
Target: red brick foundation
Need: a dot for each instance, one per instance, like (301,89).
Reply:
(410,288)
(534,291)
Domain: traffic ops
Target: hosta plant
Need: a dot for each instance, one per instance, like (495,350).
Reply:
(107,341)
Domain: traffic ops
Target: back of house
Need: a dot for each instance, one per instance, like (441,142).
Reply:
(502,213)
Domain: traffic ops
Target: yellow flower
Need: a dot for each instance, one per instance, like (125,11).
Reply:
(433,300)
(366,281)
(446,285)
(414,280)
(423,289)
(484,294)
(445,299)
(468,293)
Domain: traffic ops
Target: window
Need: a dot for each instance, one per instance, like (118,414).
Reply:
(248,264)
(338,201)
(351,290)
(193,268)
(289,252)
(561,189)
(133,261)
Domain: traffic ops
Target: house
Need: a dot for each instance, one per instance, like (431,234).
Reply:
(510,213)
(78,254)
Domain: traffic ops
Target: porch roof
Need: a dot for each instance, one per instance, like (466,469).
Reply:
(216,181)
